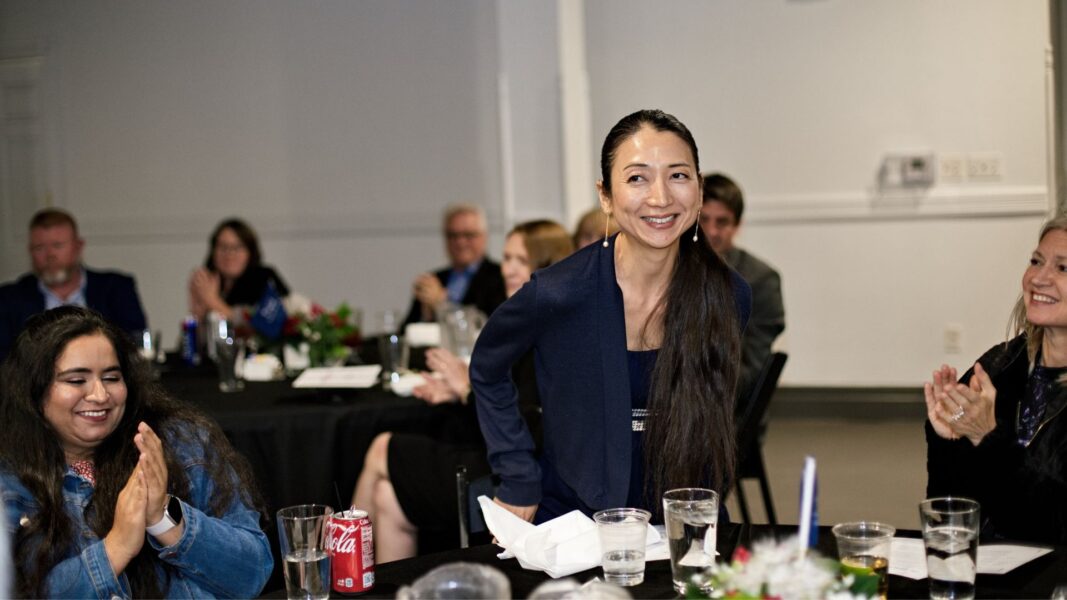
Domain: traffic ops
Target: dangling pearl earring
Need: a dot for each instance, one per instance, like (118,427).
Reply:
(695,229)
(607,228)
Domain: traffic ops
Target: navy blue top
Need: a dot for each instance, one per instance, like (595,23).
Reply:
(571,314)
(640,365)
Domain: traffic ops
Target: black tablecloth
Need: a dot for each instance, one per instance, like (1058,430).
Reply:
(1036,579)
(304,446)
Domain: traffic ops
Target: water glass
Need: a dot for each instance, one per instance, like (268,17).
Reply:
(690,516)
(458,580)
(229,350)
(863,546)
(460,326)
(622,533)
(149,345)
(950,535)
(302,534)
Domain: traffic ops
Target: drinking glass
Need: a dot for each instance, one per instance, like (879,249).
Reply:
(458,580)
(302,534)
(950,535)
(863,546)
(460,326)
(149,344)
(392,351)
(690,516)
(622,533)
(228,351)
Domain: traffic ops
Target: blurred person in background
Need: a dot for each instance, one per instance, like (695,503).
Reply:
(594,226)
(408,482)
(59,278)
(720,218)
(234,280)
(471,279)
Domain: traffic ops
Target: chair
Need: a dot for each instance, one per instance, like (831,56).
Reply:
(471,521)
(752,425)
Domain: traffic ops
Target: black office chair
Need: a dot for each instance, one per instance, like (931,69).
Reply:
(471,522)
(751,427)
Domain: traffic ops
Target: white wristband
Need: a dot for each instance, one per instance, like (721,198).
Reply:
(167,522)
(163,526)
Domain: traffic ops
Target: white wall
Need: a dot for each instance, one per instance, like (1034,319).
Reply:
(340,129)
(799,101)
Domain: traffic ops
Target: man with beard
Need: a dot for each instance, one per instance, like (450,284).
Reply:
(59,278)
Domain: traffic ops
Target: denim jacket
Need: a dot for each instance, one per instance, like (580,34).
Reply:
(217,556)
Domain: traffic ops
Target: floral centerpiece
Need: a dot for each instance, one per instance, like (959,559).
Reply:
(327,337)
(779,570)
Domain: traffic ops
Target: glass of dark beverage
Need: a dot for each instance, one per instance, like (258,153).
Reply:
(863,547)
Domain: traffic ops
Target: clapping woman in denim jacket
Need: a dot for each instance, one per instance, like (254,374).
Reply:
(111,488)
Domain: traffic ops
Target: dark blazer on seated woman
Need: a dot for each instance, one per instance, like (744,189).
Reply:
(572,315)
(1022,489)
(250,287)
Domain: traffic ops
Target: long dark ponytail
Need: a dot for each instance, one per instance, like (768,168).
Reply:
(689,436)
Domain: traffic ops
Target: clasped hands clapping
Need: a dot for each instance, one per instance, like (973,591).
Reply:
(958,410)
(141,503)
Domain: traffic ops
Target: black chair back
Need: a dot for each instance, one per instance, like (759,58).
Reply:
(751,425)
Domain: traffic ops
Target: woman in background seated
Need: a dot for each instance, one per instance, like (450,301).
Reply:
(594,226)
(408,482)
(999,435)
(110,487)
(233,276)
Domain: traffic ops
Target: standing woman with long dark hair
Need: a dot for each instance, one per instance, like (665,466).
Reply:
(636,343)
(111,488)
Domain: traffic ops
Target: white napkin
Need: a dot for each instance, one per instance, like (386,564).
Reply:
(406,384)
(422,334)
(560,547)
(262,367)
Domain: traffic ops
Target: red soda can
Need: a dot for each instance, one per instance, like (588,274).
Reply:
(351,548)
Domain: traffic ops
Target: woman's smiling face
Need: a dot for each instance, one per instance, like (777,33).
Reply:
(655,188)
(87,398)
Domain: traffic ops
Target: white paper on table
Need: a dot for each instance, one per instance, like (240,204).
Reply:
(560,547)
(422,334)
(363,376)
(907,557)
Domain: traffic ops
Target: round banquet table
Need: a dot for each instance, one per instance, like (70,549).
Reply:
(1036,579)
(304,445)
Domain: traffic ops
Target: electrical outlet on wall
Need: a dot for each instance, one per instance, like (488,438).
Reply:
(952,338)
(951,167)
(985,167)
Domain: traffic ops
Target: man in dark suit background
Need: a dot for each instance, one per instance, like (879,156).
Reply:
(60,278)
(471,278)
(720,218)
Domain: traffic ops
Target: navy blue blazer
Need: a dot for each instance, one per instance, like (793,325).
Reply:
(572,315)
(112,294)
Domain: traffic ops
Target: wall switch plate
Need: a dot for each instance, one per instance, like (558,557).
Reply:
(951,168)
(985,167)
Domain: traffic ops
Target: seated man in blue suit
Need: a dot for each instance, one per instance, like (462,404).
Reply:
(471,279)
(59,278)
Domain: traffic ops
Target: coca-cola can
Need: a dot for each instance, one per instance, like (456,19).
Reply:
(351,548)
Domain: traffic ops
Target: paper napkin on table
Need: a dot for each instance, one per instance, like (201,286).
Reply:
(406,384)
(560,547)
(907,557)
